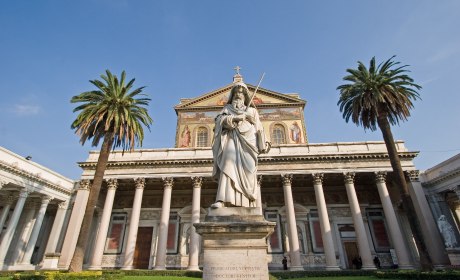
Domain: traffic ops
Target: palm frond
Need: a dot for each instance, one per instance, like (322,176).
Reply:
(383,89)
(112,109)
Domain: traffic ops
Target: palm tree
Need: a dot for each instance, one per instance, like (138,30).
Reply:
(382,96)
(116,114)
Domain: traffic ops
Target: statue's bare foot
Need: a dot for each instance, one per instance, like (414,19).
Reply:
(218,204)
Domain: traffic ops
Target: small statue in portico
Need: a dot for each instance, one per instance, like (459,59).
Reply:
(238,140)
(447,232)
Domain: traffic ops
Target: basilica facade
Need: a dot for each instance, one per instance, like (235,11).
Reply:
(333,203)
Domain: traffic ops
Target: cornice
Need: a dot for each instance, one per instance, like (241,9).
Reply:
(33,177)
(447,176)
(262,160)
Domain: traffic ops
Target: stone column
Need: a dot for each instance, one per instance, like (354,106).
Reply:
(51,257)
(402,253)
(194,249)
(428,225)
(73,229)
(457,209)
(160,260)
(294,250)
(259,194)
(9,232)
(36,229)
(96,260)
(326,233)
(363,243)
(133,224)
(5,212)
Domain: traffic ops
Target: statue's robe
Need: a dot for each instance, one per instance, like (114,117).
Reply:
(235,150)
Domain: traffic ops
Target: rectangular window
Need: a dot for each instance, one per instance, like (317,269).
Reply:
(173,234)
(378,231)
(315,231)
(115,235)
(275,237)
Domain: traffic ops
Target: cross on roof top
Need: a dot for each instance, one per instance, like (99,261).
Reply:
(237,68)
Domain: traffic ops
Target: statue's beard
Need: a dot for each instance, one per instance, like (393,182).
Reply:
(238,103)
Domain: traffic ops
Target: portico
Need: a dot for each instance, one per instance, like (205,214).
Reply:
(345,200)
(33,205)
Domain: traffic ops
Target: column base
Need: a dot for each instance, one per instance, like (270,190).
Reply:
(193,268)
(94,267)
(23,266)
(406,267)
(127,267)
(50,261)
(368,267)
(333,267)
(159,268)
(296,268)
(439,267)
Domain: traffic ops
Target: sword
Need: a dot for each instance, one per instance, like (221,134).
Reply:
(258,85)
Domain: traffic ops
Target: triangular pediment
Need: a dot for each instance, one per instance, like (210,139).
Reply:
(219,97)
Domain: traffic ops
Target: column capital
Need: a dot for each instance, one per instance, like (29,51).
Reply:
(259,181)
(63,205)
(46,199)
(168,182)
(457,191)
(436,197)
(349,177)
(318,178)
(2,183)
(9,199)
(197,181)
(380,176)
(139,182)
(85,184)
(24,193)
(287,179)
(112,183)
(413,175)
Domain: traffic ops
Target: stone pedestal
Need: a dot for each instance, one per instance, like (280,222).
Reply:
(50,262)
(234,243)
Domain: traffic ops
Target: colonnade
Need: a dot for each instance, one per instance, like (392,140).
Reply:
(25,207)
(364,244)
(395,233)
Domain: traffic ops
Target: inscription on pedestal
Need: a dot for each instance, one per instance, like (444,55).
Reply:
(234,244)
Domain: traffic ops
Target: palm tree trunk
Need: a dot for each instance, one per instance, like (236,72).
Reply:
(76,265)
(407,202)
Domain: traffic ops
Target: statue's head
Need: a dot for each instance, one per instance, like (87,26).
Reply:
(239,90)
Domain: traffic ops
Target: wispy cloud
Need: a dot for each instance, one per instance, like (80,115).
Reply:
(23,110)
(445,53)
(425,82)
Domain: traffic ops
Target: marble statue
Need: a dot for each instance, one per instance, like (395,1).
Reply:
(238,140)
(447,232)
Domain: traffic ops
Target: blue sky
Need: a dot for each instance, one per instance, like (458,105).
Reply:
(49,50)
